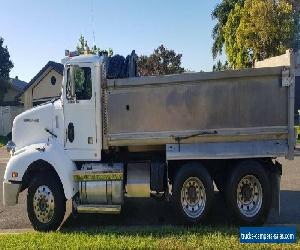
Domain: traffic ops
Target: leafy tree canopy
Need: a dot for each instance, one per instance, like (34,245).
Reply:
(252,30)
(296,13)
(266,28)
(5,66)
(161,62)
(237,54)
(5,63)
(220,14)
(219,66)
(82,46)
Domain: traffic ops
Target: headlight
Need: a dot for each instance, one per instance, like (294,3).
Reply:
(10,146)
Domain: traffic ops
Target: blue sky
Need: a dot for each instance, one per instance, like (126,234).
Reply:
(38,31)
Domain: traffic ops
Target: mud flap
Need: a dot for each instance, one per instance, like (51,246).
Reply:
(275,183)
(68,212)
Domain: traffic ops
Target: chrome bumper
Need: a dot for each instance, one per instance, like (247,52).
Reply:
(10,193)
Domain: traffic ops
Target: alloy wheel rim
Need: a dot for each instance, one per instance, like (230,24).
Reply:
(43,204)
(193,197)
(249,196)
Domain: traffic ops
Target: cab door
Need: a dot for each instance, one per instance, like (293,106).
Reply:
(81,142)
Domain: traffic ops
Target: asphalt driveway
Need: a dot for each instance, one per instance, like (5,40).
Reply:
(150,212)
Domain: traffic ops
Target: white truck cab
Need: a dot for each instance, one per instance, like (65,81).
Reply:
(116,135)
(45,134)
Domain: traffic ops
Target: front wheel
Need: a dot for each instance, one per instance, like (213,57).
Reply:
(46,204)
(192,193)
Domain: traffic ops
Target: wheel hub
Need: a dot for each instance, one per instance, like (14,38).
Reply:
(246,192)
(192,194)
(249,196)
(43,204)
(193,197)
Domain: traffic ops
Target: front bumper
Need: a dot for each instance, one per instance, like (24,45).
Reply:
(10,193)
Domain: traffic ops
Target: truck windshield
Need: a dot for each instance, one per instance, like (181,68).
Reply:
(79,83)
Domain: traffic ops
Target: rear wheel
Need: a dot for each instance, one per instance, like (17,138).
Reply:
(46,203)
(193,193)
(248,193)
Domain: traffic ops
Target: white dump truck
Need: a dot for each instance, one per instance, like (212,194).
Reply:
(168,137)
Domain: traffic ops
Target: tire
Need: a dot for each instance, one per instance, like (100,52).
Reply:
(193,193)
(248,193)
(46,203)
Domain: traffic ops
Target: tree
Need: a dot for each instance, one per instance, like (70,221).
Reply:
(255,29)
(162,62)
(266,28)
(220,14)
(219,66)
(5,66)
(236,53)
(82,46)
(296,13)
(5,63)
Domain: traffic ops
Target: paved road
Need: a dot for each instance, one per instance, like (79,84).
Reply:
(150,212)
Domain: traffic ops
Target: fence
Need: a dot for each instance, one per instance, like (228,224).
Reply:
(7,116)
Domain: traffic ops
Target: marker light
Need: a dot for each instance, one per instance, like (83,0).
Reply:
(14,174)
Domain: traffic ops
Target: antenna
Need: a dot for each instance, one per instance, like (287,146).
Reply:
(93,22)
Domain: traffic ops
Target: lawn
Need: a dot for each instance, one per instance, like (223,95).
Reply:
(3,140)
(167,237)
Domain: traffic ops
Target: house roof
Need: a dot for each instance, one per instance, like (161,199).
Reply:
(14,84)
(58,67)
(18,84)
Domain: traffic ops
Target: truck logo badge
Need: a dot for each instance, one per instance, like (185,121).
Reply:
(31,120)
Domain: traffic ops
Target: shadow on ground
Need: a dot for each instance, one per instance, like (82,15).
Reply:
(143,212)
(148,212)
(290,209)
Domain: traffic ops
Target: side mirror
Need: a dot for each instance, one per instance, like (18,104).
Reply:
(10,146)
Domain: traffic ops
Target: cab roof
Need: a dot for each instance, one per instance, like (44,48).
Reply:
(82,59)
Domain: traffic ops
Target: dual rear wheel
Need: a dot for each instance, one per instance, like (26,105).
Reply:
(193,193)
(247,193)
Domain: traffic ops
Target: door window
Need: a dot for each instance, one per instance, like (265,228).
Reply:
(79,83)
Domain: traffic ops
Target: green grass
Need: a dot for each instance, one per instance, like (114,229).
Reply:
(297,133)
(167,237)
(3,140)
